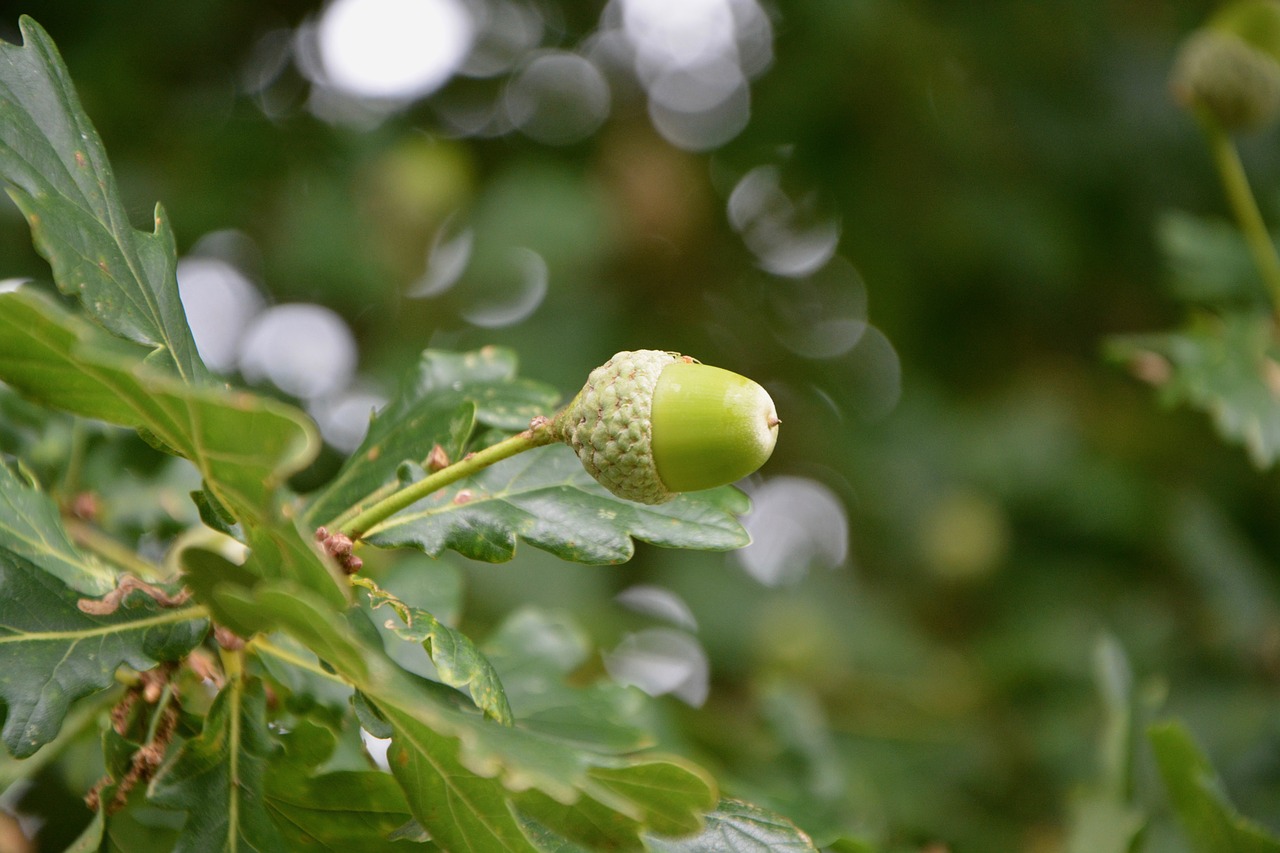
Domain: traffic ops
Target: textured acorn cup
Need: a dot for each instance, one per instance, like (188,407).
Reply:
(650,424)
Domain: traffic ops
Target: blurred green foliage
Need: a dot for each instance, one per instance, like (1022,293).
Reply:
(1014,185)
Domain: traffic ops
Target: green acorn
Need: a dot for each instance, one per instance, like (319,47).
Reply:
(1232,80)
(650,424)
(1230,67)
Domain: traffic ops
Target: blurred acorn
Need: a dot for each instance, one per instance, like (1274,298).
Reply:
(1230,68)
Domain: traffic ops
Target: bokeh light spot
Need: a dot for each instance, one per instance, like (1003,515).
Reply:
(661,661)
(393,49)
(558,98)
(304,350)
(660,603)
(512,293)
(788,236)
(796,524)
(220,302)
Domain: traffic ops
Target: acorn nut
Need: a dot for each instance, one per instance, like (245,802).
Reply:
(650,424)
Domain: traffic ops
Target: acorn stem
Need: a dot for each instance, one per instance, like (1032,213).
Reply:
(1243,204)
(539,434)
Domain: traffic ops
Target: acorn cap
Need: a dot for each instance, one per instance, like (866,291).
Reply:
(650,424)
(608,425)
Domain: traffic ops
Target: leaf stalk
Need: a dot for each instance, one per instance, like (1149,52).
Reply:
(539,434)
(1244,205)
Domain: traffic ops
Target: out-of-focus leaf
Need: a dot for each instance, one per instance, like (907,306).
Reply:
(1226,366)
(1101,824)
(477,761)
(1208,259)
(1115,688)
(218,777)
(663,790)
(52,653)
(535,653)
(738,827)
(586,822)
(458,661)
(344,810)
(30,527)
(546,498)
(1199,799)
(351,811)
(439,403)
(90,841)
(1234,581)
(57,172)
(243,445)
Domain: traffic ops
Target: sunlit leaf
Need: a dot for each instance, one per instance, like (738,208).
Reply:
(439,403)
(218,777)
(1226,366)
(57,172)
(738,827)
(1199,799)
(546,498)
(243,445)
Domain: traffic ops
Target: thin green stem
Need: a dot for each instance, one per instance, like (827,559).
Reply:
(1245,207)
(536,436)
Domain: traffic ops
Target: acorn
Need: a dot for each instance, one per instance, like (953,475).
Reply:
(1230,67)
(649,425)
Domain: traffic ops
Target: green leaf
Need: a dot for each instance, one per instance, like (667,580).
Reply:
(738,827)
(1208,260)
(663,790)
(545,497)
(57,171)
(1199,799)
(218,777)
(586,822)
(31,528)
(52,653)
(536,654)
(476,760)
(243,445)
(461,810)
(458,662)
(439,403)
(347,811)
(1226,366)
(1101,824)
(1104,819)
